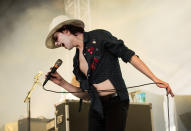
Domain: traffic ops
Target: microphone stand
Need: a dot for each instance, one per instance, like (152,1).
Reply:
(28,99)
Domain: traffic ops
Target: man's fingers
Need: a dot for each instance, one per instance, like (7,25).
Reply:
(163,85)
(169,91)
(53,75)
(52,78)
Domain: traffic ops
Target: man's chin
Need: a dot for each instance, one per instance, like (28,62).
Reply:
(67,48)
(70,48)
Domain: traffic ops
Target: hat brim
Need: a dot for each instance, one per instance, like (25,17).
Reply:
(49,42)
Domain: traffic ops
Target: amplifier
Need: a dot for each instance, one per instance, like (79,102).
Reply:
(139,117)
(183,112)
(68,118)
(50,126)
(35,123)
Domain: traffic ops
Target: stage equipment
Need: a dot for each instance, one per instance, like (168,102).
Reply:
(50,126)
(35,124)
(28,98)
(68,118)
(183,112)
(139,117)
(54,68)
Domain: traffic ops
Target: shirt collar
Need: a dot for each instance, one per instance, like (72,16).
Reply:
(86,38)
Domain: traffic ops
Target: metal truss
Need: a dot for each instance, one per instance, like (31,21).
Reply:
(79,9)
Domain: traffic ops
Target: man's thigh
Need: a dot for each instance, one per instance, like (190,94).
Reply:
(116,116)
(95,122)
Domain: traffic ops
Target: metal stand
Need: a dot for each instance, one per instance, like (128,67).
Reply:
(28,99)
(29,115)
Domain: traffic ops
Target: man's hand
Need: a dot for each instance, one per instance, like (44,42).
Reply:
(162,84)
(55,77)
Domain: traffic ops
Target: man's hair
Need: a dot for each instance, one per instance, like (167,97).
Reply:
(73,29)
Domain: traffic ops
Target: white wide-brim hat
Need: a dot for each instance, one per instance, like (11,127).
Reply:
(56,24)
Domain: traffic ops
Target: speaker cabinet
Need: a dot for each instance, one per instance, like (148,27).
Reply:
(36,124)
(50,126)
(183,112)
(139,117)
(68,118)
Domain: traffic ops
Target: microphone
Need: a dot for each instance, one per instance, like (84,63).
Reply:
(56,66)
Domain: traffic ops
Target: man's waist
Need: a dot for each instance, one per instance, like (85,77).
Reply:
(109,97)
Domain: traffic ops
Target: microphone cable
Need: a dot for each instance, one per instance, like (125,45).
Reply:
(108,90)
(111,90)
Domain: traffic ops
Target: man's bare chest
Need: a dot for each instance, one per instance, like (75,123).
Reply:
(100,86)
(83,63)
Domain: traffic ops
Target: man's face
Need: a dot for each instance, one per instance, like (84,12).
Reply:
(63,39)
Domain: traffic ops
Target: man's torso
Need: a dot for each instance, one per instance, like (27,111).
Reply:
(105,85)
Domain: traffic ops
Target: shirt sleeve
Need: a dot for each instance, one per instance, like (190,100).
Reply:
(117,47)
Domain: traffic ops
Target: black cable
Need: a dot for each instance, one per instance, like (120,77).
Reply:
(111,90)
(108,90)
(168,113)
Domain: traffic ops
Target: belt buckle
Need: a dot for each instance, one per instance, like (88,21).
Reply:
(114,95)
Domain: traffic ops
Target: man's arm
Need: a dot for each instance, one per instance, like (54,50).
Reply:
(139,64)
(69,87)
(57,79)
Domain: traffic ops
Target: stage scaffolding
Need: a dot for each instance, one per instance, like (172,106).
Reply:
(79,9)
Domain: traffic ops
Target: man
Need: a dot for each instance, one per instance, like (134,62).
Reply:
(96,67)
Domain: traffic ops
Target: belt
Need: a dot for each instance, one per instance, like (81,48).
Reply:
(108,97)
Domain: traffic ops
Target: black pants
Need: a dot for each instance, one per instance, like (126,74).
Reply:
(115,115)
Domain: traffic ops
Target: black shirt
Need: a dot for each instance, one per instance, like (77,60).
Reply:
(101,51)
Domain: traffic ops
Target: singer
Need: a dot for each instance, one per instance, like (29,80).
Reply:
(96,67)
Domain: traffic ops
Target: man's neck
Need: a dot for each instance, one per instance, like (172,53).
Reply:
(80,41)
